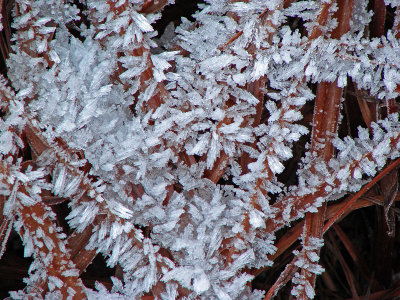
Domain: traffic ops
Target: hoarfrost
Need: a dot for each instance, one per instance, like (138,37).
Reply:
(188,144)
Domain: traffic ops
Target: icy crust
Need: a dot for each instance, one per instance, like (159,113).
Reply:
(206,112)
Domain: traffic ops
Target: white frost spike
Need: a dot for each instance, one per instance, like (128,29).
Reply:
(28,244)
(312,256)
(6,142)
(54,56)
(24,93)
(42,46)
(121,210)
(242,260)
(308,289)
(71,273)
(72,186)
(222,295)
(25,199)
(201,145)
(10,203)
(21,177)
(60,181)
(171,292)
(256,219)
(56,281)
(275,165)
(357,173)
(142,22)
(292,115)
(201,283)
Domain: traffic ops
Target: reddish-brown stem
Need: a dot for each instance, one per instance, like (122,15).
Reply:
(368,109)
(77,244)
(153,6)
(218,168)
(61,260)
(321,20)
(396,25)
(347,272)
(284,277)
(326,118)
(353,251)
(5,229)
(377,27)
(257,89)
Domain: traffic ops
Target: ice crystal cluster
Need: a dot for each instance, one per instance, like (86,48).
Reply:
(169,159)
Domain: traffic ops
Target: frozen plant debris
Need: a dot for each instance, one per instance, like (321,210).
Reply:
(181,158)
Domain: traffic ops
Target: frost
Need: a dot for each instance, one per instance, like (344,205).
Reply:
(275,165)
(181,166)
(201,283)
(256,219)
